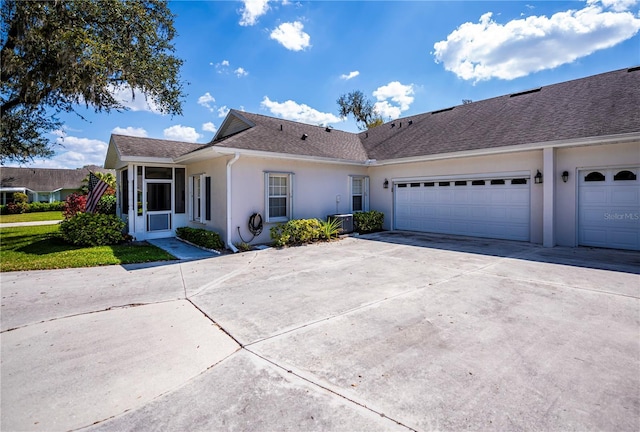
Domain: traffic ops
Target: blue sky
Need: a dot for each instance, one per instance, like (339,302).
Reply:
(294,59)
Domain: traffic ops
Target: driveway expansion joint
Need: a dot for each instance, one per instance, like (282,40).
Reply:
(225,331)
(325,388)
(110,308)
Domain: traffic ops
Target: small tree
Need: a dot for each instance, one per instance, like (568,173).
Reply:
(362,109)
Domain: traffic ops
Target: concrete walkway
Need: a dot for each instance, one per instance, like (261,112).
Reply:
(182,250)
(35,223)
(392,331)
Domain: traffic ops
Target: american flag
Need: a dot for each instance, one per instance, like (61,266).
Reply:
(96,189)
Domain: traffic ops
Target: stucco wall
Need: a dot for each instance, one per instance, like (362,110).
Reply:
(578,158)
(216,169)
(531,161)
(315,187)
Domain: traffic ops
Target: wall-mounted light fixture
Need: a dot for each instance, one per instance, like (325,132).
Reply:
(565,176)
(538,177)
(385,184)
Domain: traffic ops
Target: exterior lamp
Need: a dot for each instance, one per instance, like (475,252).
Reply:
(538,177)
(565,176)
(385,184)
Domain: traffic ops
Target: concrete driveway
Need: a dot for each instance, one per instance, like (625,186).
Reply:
(392,331)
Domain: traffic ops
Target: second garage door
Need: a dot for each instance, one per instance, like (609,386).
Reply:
(492,207)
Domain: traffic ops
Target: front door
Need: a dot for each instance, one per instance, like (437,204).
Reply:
(158,206)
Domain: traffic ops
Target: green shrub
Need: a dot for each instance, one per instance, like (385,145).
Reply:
(296,232)
(243,246)
(330,228)
(20,197)
(87,229)
(3,209)
(368,221)
(201,237)
(107,204)
(36,207)
(17,207)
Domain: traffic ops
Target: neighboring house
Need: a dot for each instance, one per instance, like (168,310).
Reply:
(556,165)
(42,184)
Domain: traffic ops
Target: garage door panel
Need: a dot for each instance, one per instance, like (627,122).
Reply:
(609,211)
(495,211)
(479,196)
(624,196)
(595,195)
(623,239)
(443,212)
(499,196)
(518,197)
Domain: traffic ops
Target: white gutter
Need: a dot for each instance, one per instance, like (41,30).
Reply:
(231,161)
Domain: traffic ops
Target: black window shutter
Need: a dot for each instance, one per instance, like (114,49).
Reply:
(207,193)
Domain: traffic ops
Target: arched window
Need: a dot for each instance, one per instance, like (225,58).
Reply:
(594,176)
(625,175)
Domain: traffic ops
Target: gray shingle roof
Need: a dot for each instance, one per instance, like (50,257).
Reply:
(152,147)
(596,106)
(600,105)
(45,179)
(284,136)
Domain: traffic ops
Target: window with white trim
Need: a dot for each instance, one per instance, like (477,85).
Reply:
(278,188)
(200,198)
(359,194)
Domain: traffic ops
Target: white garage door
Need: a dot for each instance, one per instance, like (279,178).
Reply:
(609,208)
(494,207)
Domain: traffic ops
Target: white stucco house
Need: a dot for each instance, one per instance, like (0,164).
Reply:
(42,184)
(556,165)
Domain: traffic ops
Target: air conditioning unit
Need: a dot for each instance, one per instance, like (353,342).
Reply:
(346,222)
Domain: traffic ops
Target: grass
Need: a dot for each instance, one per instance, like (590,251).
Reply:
(39,248)
(31,217)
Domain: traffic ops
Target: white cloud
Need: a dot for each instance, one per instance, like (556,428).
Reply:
(400,94)
(240,72)
(225,63)
(386,110)
(223,111)
(206,100)
(615,5)
(130,131)
(350,75)
(291,110)
(253,9)
(291,36)
(397,92)
(134,101)
(209,127)
(181,133)
(487,49)
(74,152)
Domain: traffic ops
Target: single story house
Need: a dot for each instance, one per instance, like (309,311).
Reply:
(555,165)
(42,184)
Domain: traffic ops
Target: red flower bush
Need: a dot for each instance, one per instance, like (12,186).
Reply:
(74,204)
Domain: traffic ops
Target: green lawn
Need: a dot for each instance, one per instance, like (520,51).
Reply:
(31,217)
(39,248)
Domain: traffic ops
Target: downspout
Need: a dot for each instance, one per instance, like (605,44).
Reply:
(231,161)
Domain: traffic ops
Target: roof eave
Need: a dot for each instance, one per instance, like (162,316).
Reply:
(577,142)
(304,158)
(198,155)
